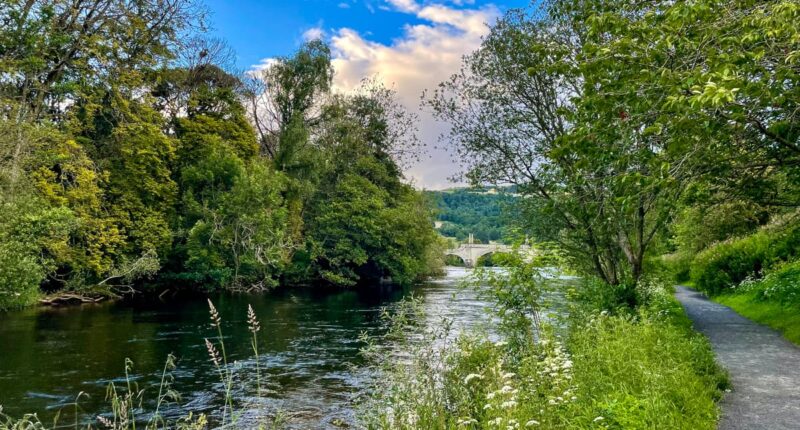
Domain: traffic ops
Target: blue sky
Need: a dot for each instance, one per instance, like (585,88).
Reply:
(410,45)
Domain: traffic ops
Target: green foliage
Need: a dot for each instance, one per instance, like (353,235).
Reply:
(116,169)
(637,369)
(239,242)
(32,238)
(465,211)
(724,265)
(772,300)
(700,225)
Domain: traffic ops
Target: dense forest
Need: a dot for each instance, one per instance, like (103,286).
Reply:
(465,211)
(130,152)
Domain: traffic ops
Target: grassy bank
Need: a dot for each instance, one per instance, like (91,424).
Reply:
(599,368)
(773,300)
(757,275)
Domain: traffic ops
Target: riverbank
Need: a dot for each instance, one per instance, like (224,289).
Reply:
(599,367)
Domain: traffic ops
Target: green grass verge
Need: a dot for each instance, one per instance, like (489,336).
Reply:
(783,318)
(606,368)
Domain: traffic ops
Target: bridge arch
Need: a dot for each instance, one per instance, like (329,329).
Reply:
(457,256)
(470,252)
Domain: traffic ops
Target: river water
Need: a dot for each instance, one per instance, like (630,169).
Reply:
(309,346)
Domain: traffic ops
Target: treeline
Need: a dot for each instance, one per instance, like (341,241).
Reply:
(129,152)
(464,211)
(634,129)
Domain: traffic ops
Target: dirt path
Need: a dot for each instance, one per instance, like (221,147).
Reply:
(764,367)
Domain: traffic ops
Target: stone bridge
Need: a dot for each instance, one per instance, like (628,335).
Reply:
(470,252)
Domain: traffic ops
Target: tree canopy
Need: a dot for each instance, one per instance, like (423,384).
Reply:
(130,153)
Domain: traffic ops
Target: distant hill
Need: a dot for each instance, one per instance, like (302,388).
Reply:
(461,211)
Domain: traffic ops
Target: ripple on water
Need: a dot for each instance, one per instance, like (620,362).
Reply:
(309,346)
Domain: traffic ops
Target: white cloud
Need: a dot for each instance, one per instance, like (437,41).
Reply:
(314,33)
(263,64)
(426,54)
(408,6)
(343,5)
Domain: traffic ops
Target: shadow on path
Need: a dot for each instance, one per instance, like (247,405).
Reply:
(764,367)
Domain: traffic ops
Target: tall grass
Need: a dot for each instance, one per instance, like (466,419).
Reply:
(598,368)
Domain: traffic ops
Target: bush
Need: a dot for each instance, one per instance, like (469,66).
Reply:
(32,237)
(782,285)
(677,265)
(726,264)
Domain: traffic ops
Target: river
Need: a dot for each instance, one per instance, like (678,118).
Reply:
(309,346)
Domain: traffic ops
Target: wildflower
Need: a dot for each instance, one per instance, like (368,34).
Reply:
(500,344)
(509,404)
(213,353)
(508,375)
(491,395)
(487,406)
(466,422)
(472,376)
(252,321)
(506,389)
(497,421)
(215,319)
(531,423)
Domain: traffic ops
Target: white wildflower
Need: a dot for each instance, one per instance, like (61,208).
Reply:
(472,376)
(509,404)
(531,423)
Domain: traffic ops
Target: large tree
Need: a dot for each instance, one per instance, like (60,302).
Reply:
(525,111)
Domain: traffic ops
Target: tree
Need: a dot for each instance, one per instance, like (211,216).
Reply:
(362,222)
(283,97)
(525,111)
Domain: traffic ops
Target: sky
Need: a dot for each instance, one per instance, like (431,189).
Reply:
(409,45)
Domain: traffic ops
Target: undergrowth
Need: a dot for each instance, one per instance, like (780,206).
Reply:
(773,300)
(600,367)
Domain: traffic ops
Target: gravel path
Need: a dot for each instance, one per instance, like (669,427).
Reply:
(764,367)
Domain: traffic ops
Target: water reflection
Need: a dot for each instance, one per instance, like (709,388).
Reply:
(310,362)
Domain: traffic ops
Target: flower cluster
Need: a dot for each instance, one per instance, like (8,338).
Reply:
(555,369)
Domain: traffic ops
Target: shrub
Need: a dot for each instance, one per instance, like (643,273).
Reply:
(32,237)
(726,264)
(677,265)
(781,285)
